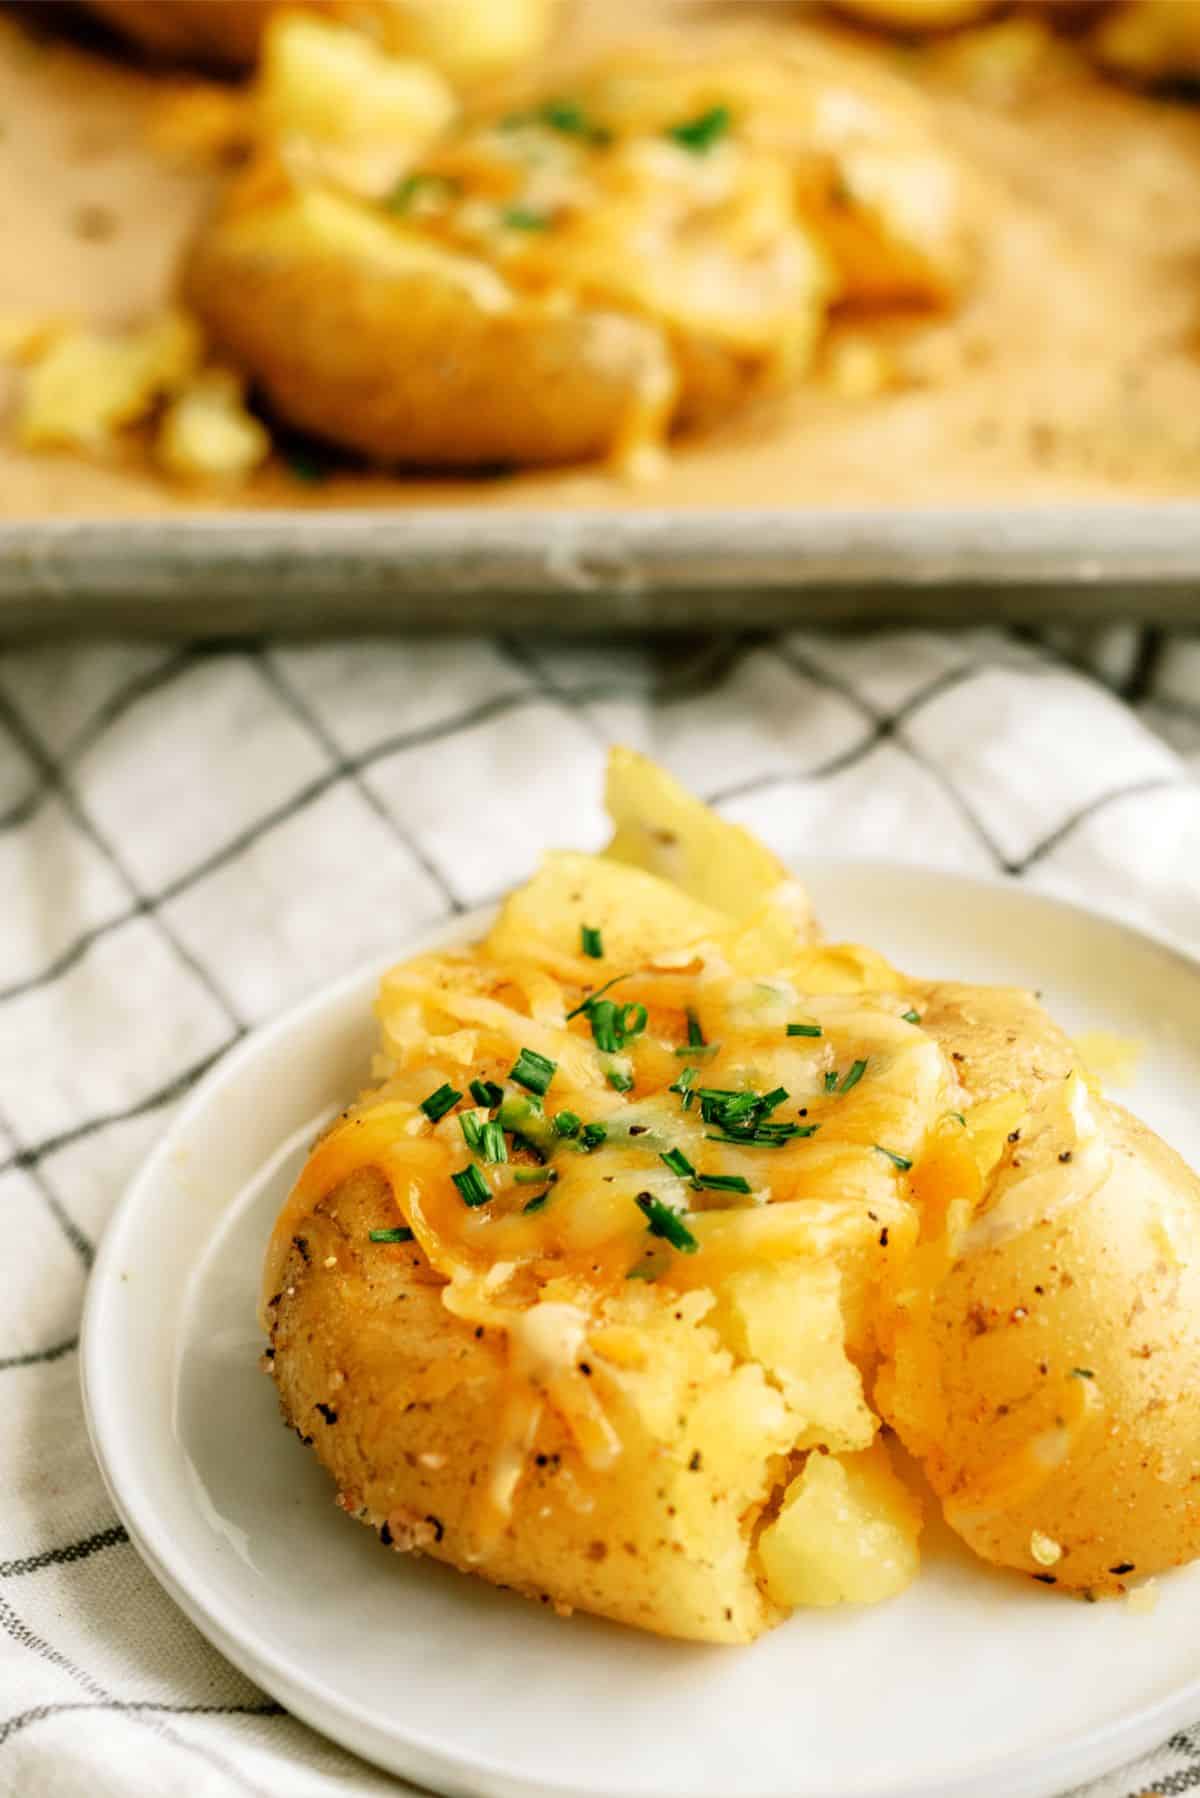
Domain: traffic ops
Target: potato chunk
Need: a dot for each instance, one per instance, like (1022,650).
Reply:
(789,1320)
(847,1533)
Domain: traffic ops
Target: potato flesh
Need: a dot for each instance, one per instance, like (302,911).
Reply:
(790,1321)
(208,434)
(324,80)
(846,1533)
(664,830)
(86,386)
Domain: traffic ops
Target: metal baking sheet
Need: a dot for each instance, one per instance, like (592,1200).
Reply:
(303,572)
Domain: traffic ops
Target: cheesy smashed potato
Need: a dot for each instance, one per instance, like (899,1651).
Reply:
(664,1214)
(577,276)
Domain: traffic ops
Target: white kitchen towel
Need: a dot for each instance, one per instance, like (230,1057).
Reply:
(192,838)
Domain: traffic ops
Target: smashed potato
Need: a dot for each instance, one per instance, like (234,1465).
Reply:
(465,38)
(575,278)
(662,1208)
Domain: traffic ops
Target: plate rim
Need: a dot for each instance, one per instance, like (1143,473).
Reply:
(1027,1773)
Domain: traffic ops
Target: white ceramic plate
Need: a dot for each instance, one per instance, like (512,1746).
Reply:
(972,1683)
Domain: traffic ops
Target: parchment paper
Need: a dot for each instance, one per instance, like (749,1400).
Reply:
(1072,372)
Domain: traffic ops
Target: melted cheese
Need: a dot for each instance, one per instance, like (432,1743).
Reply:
(549,1279)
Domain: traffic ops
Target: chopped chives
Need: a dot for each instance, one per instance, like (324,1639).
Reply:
(473,1188)
(400,1233)
(831,1081)
(533,1071)
(695,1034)
(533,1176)
(631,1020)
(698,1051)
(592,1135)
(439,1103)
(900,1161)
(720,1105)
(804,1030)
(441,187)
(567,116)
(720,1183)
(492,1146)
(605,1033)
(613,1025)
(537,1203)
(678,1162)
(663,1221)
(642,1272)
(958,1118)
(307,467)
(591,942)
(566,1123)
(486,1092)
(699,134)
(524,1115)
(770,1101)
(586,1004)
(620,1082)
(911,1017)
(524,218)
(765,1136)
(857,1070)
(472,1130)
(683,1086)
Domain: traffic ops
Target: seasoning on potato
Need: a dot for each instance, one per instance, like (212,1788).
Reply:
(665,1212)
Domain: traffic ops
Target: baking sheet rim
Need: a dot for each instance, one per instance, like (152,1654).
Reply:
(446,567)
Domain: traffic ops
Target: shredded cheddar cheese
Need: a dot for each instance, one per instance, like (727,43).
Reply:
(714,1140)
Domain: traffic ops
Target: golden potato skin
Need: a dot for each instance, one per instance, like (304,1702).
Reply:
(1102,1283)
(1088,1317)
(224,32)
(406,368)
(917,15)
(400,1402)
(227,34)
(998,1037)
